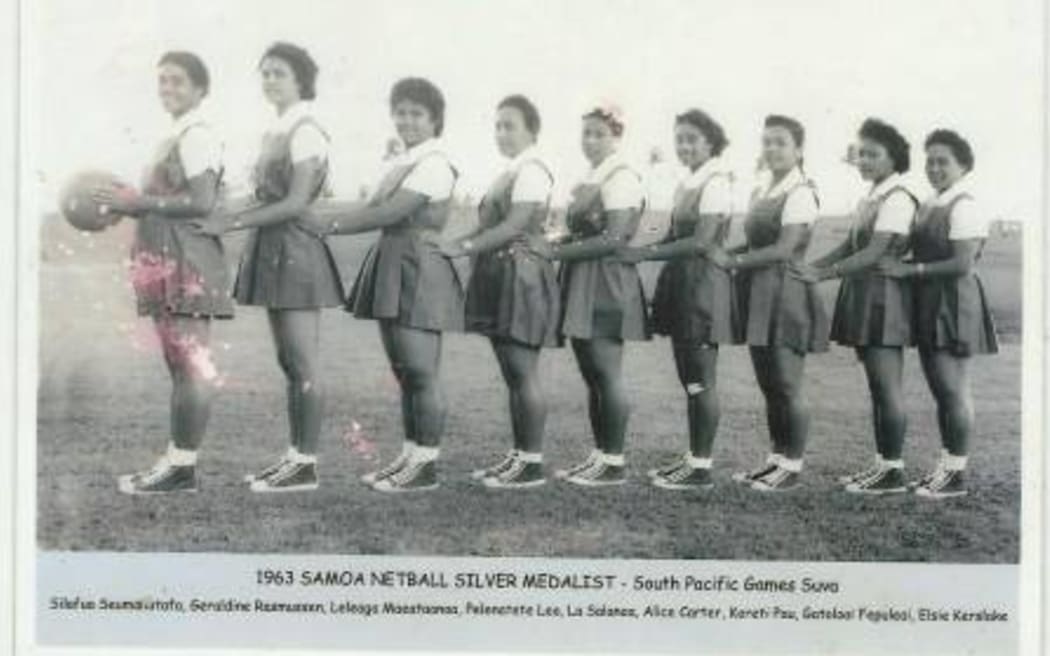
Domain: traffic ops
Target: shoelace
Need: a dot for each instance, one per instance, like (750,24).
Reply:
(286,471)
(776,477)
(943,477)
(680,474)
(508,461)
(513,471)
(406,473)
(156,472)
(862,476)
(579,468)
(871,476)
(594,472)
(396,465)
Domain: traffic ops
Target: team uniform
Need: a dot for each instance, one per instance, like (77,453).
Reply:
(603,297)
(174,270)
(779,310)
(951,312)
(695,302)
(872,309)
(285,266)
(404,277)
(513,292)
(177,272)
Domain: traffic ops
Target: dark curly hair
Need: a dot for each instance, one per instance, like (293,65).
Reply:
(192,64)
(961,150)
(527,109)
(708,126)
(423,92)
(889,138)
(302,64)
(798,133)
(614,122)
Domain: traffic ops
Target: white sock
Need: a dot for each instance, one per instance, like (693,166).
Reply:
(893,464)
(955,463)
(698,463)
(774,459)
(424,454)
(298,457)
(615,460)
(181,457)
(529,456)
(791,465)
(407,447)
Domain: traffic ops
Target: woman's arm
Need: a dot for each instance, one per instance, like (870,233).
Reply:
(781,251)
(614,236)
(964,254)
(198,201)
(834,255)
(492,238)
(400,205)
(691,246)
(862,260)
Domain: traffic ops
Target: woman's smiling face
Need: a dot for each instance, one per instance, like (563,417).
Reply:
(413,122)
(178,94)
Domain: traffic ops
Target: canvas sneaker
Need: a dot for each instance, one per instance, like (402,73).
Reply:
(777,480)
(496,469)
(162,478)
(860,475)
(268,471)
(391,468)
(600,474)
(669,467)
(750,477)
(413,477)
(948,483)
(291,477)
(685,478)
(888,480)
(519,474)
(592,459)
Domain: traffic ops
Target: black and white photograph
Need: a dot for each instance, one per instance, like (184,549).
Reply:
(747,294)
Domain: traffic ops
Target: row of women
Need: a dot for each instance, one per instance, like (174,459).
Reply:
(907,272)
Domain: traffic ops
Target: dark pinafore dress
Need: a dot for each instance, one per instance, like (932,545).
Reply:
(284,266)
(695,301)
(602,297)
(513,292)
(404,277)
(174,270)
(950,312)
(872,309)
(779,309)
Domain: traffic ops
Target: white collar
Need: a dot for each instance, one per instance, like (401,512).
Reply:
(291,116)
(421,150)
(793,178)
(698,177)
(193,117)
(946,197)
(530,153)
(892,180)
(598,173)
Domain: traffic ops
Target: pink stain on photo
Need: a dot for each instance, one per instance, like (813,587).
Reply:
(358,442)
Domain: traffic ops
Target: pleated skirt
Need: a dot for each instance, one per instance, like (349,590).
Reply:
(695,303)
(602,298)
(406,279)
(177,271)
(513,294)
(952,313)
(285,267)
(781,310)
(873,310)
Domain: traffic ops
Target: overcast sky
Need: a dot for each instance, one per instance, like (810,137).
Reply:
(973,66)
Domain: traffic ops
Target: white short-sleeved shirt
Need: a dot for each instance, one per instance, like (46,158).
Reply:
(308,141)
(718,194)
(969,220)
(801,205)
(200,148)
(433,175)
(623,191)
(533,182)
(897,212)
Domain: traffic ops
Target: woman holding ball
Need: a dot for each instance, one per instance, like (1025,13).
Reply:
(285,267)
(179,276)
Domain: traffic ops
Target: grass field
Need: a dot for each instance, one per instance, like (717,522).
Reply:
(103,411)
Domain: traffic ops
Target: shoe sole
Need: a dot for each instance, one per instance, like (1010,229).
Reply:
(124,486)
(681,486)
(939,495)
(875,493)
(758,487)
(493,484)
(302,487)
(405,490)
(582,482)
(660,471)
